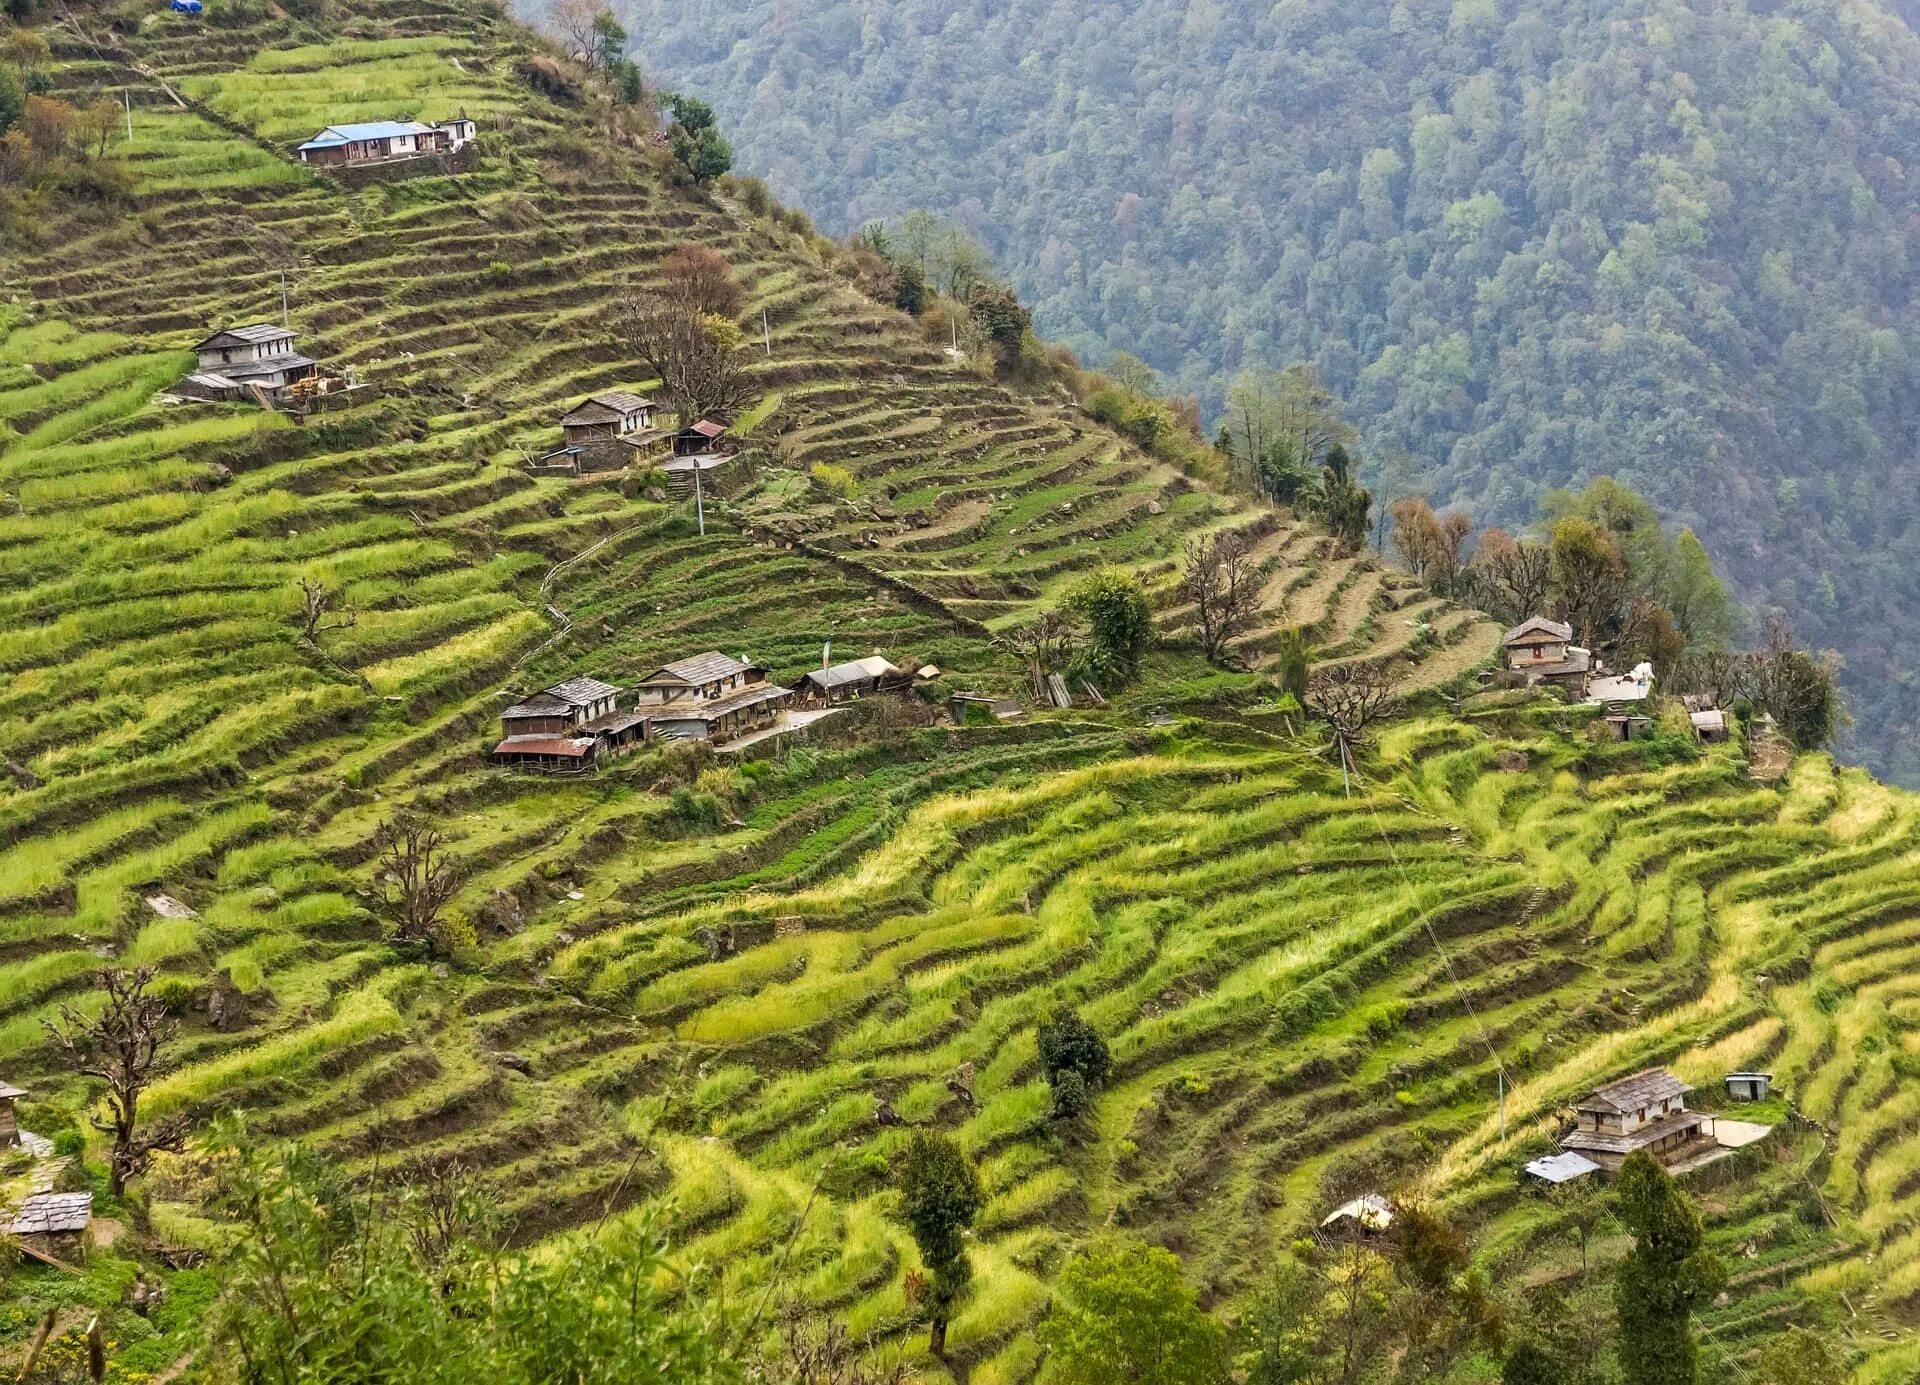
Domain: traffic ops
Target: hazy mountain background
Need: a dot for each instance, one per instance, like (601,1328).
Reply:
(1670,240)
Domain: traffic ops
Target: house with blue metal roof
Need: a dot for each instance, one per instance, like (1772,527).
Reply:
(378,141)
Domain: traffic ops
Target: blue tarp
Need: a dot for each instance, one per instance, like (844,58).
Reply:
(187,6)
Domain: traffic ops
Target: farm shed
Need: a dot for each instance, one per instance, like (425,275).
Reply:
(1710,726)
(856,678)
(555,754)
(1366,1215)
(698,438)
(53,1223)
(1564,1167)
(9,1121)
(1749,1086)
(1647,1111)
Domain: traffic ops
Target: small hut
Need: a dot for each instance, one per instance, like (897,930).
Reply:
(1749,1086)
(1710,726)
(9,1122)
(53,1224)
(1566,1167)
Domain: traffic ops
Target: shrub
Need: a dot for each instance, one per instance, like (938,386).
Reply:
(1119,623)
(834,479)
(176,993)
(703,277)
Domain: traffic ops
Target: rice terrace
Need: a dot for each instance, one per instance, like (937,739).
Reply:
(468,804)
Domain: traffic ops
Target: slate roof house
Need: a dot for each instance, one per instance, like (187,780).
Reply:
(377,141)
(1544,651)
(568,726)
(607,432)
(1647,1111)
(709,697)
(53,1223)
(236,358)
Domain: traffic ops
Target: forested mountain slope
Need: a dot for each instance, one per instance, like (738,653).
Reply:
(1533,242)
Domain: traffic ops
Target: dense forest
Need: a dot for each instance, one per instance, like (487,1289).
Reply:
(1528,244)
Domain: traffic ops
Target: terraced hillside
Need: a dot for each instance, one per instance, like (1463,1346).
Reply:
(159,708)
(693,983)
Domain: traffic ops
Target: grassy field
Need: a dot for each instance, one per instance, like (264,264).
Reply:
(692,1001)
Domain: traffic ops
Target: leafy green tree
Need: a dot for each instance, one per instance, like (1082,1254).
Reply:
(909,288)
(1294,662)
(13,99)
(1341,504)
(1119,623)
(1074,1057)
(329,1285)
(1697,597)
(695,138)
(1801,1356)
(1667,1275)
(1530,1364)
(1122,1313)
(939,1195)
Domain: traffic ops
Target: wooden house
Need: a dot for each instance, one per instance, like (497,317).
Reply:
(236,359)
(855,679)
(567,727)
(1543,651)
(704,677)
(709,697)
(382,141)
(9,1121)
(1647,1111)
(53,1224)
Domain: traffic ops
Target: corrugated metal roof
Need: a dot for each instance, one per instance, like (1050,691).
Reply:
(545,745)
(854,671)
(336,135)
(9,1092)
(1562,1168)
(1371,1210)
(47,1214)
(707,428)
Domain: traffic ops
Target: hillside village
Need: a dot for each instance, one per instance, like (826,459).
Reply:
(441,718)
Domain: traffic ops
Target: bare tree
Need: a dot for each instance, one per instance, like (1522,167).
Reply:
(579,24)
(1351,697)
(121,1046)
(1515,574)
(701,376)
(1451,533)
(1221,584)
(418,879)
(1044,643)
(812,1352)
(317,603)
(700,275)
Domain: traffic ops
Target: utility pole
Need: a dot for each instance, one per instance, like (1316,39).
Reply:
(766,332)
(127,97)
(1503,1100)
(699,499)
(283,299)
